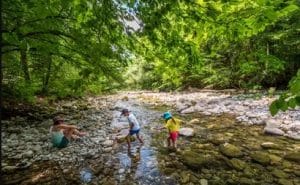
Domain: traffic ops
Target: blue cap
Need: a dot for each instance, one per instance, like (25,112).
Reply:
(167,115)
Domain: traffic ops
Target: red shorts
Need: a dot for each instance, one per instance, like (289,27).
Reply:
(173,136)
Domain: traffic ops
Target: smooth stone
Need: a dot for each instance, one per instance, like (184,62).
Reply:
(293,135)
(261,157)
(9,169)
(121,171)
(279,173)
(273,131)
(188,132)
(293,156)
(203,182)
(285,182)
(275,159)
(108,143)
(230,150)
(196,161)
(237,164)
(194,121)
(28,154)
(269,145)
(108,149)
(272,123)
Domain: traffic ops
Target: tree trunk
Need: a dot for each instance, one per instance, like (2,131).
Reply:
(24,65)
(47,77)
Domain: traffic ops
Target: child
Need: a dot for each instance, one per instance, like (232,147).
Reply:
(134,126)
(173,125)
(61,133)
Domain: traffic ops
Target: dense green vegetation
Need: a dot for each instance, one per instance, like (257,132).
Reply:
(71,47)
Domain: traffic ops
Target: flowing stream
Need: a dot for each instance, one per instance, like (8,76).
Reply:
(222,151)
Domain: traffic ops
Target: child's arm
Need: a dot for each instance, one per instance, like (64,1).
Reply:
(65,126)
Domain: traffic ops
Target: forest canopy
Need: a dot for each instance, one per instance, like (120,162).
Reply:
(73,47)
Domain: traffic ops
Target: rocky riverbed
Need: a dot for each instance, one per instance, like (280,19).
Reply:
(228,142)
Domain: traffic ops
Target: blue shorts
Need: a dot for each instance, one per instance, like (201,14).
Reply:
(64,143)
(132,132)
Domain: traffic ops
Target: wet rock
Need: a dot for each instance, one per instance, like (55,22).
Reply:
(293,156)
(261,157)
(279,174)
(197,161)
(188,132)
(203,182)
(230,150)
(28,154)
(108,149)
(108,143)
(237,164)
(273,131)
(275,159)
(285,182)
(246,181)
(273,123)
(270,145)
(194,121)
(9,169)
(293,135)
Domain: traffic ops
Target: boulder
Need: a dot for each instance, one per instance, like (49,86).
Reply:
(293,156)
(293,135)
(186,132)
(273,131)
(261,157)
(237,164)
(197,161)
(230,150)
(269,145)
(273,123)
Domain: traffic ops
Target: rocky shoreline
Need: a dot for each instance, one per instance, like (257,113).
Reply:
(27,154)
(249,109)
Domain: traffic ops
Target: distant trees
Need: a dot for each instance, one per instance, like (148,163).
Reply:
(62,47)
(219,44)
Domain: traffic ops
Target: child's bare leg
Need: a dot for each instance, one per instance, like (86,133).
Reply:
(78,133)
(169,142)
(138,136)
(128,141)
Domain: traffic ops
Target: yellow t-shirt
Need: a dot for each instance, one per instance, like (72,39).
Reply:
(171,126)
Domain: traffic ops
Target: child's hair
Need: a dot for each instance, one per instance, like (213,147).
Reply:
(56,120)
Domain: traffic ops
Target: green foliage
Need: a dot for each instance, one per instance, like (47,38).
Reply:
(291,98)
(62,48)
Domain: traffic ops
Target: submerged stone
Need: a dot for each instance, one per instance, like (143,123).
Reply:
(230,150)
(269,145)
(261,157)
(237,164)
(293,156)
(197,161)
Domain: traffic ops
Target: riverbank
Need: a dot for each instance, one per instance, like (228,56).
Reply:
(29,158)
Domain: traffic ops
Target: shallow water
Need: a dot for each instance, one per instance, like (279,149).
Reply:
(152,163)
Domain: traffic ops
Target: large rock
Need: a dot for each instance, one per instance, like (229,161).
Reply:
(269,145)
(293,156)
(293,135)
(273,123)
(237,164)
(230,150)
(186,132)
(261,157)
(197,161)
(273,131)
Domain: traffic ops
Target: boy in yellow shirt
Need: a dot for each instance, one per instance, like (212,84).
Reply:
(173,125)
